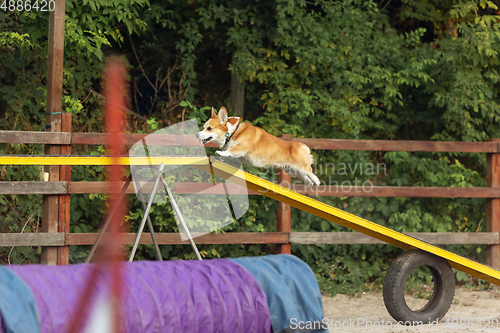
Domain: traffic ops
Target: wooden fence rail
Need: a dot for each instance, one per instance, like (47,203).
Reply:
(76,138)
(280,238)
(62,187)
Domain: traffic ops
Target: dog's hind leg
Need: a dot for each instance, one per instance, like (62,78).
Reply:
(314,179)
(307,175)
(310,178)
(304,166)
(307,180)
(292,172)
(302,174)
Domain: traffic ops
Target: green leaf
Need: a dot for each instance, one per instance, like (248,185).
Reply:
(325,225)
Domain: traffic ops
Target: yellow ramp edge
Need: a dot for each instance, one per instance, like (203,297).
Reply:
(351,221)
(276,192)
(102,160)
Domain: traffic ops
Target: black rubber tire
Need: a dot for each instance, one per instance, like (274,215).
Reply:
(442,295)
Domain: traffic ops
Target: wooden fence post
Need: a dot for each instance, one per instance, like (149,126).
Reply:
(493,206)
(50,215)
(283,211)
(64,200)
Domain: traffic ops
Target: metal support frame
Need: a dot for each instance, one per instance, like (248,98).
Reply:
(173,202)
(146,218)
(146,214)
(174,206)
(150,224)
(183,223)
(113,212)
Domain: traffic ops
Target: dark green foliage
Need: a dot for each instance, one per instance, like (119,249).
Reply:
(355,69)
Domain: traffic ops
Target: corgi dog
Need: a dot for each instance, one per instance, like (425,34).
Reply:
(254,146)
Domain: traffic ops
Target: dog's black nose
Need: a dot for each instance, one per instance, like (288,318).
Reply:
(197,135)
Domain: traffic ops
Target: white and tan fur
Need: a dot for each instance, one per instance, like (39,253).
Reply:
(254,146)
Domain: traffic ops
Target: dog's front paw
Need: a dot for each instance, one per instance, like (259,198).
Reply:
(223,153)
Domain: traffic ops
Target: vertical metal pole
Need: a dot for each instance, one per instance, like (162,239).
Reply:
(146,213)
(108,220)
(141,198)
(150,224)
(183,223)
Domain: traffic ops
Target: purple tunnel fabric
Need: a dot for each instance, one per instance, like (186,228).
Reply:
(169,296)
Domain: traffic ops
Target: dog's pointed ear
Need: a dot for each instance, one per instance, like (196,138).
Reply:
(223,115)
(214,115)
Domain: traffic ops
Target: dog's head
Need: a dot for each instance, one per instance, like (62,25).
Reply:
(217,128)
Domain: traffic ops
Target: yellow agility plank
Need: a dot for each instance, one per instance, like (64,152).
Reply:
(351,221)
(102,160)
(279,193)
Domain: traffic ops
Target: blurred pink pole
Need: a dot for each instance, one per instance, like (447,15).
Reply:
(110,255)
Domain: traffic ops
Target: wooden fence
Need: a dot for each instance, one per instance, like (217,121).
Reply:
(55,237)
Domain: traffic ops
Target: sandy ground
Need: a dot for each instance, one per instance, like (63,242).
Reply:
(470,310)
